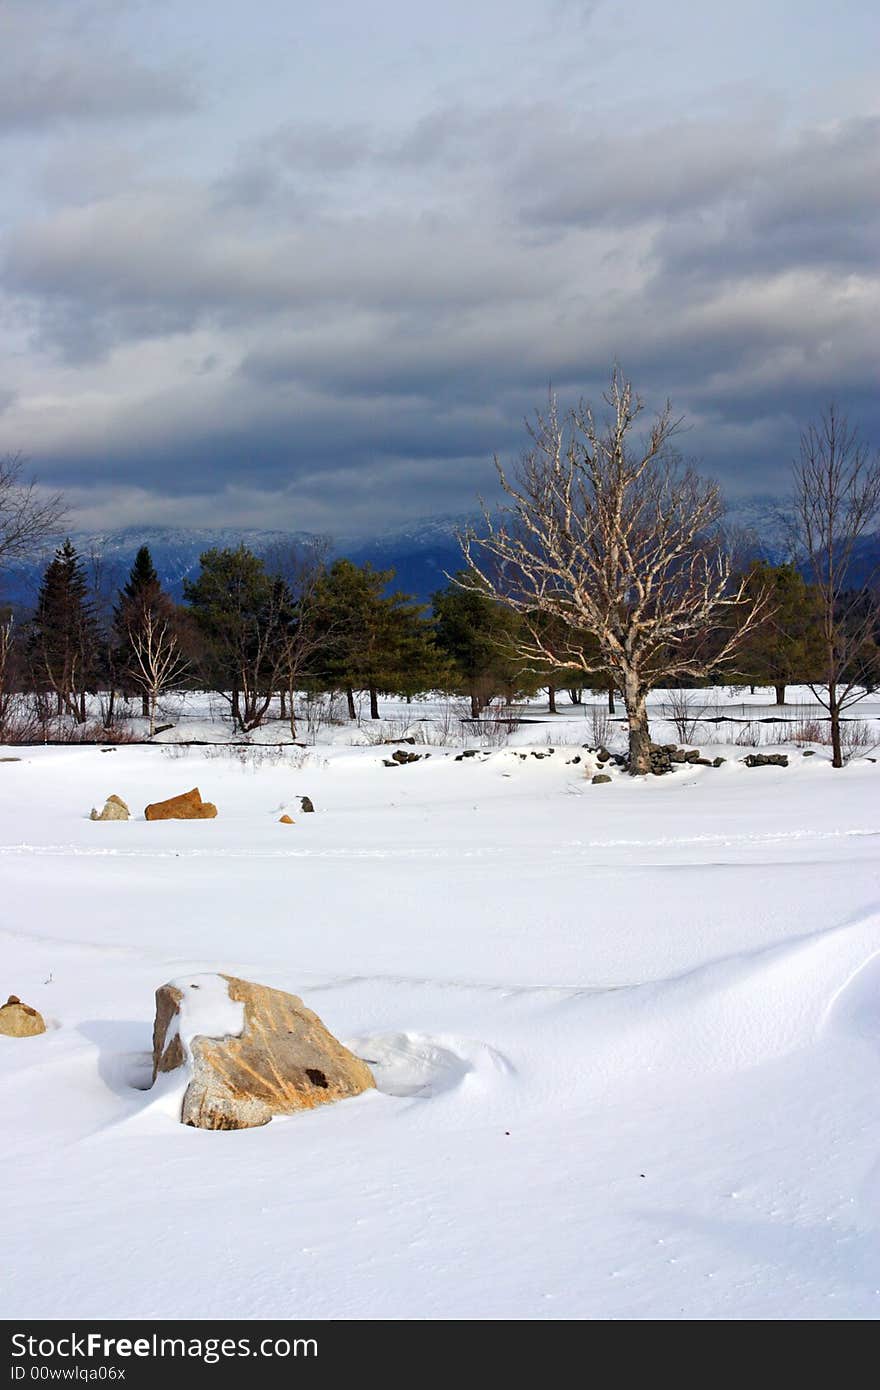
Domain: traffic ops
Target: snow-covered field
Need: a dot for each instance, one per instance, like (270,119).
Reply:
(626,1037)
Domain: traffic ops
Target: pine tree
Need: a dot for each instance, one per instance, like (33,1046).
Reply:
(475,633)
(369,639)
(786,645)
(64,638)
(244,616)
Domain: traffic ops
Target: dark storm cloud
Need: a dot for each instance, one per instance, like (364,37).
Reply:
(380,310)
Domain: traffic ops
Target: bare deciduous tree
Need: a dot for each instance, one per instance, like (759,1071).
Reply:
(836,501)
(28,517)
(156,661)
(618,542)
(7,630)
(300,568)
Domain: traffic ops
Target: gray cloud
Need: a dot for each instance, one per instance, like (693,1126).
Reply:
(364,314)
(67,65)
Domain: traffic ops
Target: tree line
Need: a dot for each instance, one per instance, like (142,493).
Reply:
(607,568)
(257,633)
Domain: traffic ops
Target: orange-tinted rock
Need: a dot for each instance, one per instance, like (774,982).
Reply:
(19,1020)
(275,1056)
(187,806)
(285,820)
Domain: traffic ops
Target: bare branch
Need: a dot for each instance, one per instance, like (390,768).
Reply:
(28,517)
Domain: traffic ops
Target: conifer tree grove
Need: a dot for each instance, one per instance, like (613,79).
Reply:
(64,639)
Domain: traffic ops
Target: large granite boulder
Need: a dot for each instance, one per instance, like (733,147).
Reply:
(114,809)
(19,1020)
(187,806)
(249,1052)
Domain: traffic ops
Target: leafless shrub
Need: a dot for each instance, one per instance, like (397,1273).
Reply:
(249,756)
(600,724)
(439,732)
(686,710)
(175,752)
(317,710)
(496,723)
(389,730)
(856,739)
(750,735)
(806,730)
(20,722)
(93,731)
(444,728)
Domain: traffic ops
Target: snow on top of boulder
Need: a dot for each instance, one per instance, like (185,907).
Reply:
(206,1010)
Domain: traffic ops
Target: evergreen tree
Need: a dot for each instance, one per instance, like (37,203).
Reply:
(64,639)
(785,646)
(143,586)
(243,616)
(476,635)
(370,640)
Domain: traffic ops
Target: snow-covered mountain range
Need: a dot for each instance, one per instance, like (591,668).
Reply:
(421,553)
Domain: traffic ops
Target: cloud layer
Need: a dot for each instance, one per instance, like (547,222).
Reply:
(332,322)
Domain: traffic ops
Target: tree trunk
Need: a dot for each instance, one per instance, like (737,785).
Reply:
(282,705)
(111,706)
(780,694)
(751,690)
(475,705)
(236,710)
(82,707)
(611,709)
(576,696)
(145,705)
(551,698)
(374,703)
(151,705)
(349,695)
(639,733)
(834,712)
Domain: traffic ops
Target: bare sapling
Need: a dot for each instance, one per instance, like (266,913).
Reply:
(156,660)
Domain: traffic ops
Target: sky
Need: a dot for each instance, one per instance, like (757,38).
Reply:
(304,266)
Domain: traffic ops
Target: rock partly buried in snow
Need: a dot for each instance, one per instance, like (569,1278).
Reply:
(766,760)
(285,820)
(187,806)
(599,778)
(114,809)
(19,1020)
(250,1052)
(306,805)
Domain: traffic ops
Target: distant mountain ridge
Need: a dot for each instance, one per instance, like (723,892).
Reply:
(421,553)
